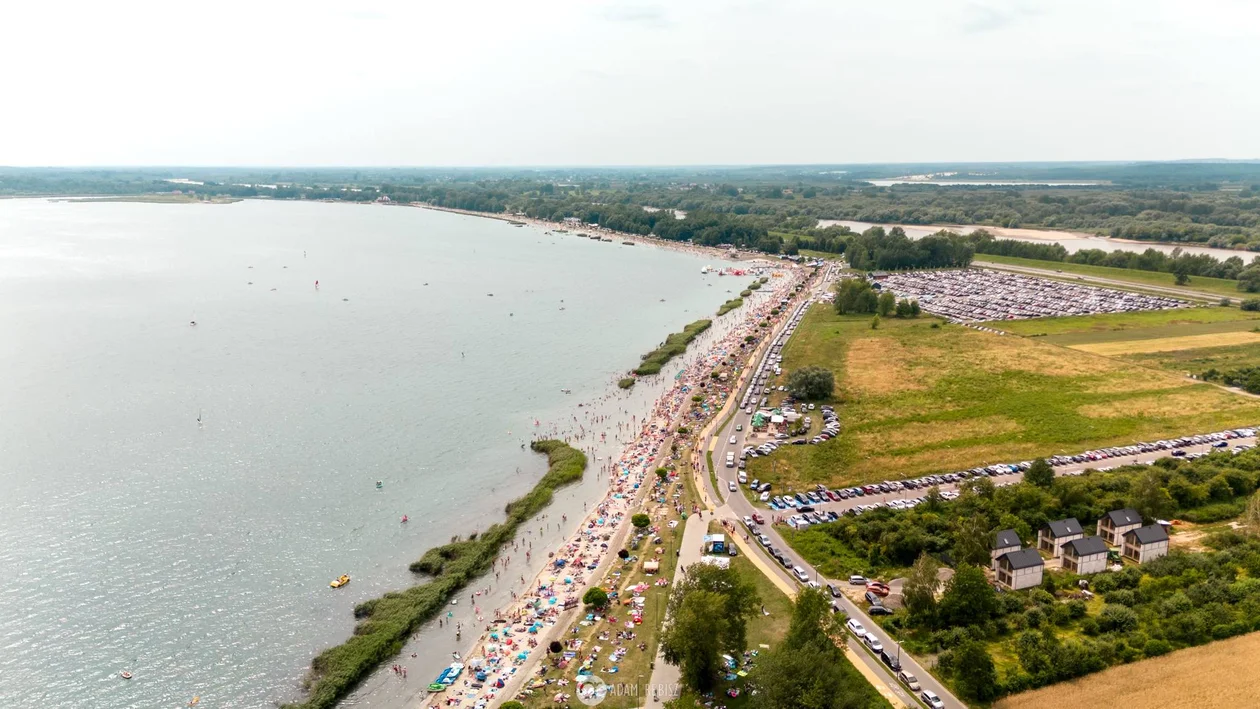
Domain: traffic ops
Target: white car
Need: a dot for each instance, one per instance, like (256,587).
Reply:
(856,628)
(732,440)
(732,486)
(929,697)
(800,573)
(873,642)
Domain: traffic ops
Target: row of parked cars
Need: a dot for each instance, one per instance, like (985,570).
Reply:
(772,361)
(892,660)
(1220,439)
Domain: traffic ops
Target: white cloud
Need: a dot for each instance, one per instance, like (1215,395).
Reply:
(626,81)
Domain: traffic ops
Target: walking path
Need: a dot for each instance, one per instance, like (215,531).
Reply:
(665,681)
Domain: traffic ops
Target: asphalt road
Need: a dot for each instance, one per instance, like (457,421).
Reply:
(738,506)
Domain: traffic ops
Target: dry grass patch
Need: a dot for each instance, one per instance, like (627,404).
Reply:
(1170,344)
(1220,675)
(885,365)
(929,432)
(1186,401)
(1016,354)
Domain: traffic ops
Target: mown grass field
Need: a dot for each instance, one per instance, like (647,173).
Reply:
(1220,675)
(1105,325)
(914,399)
(1218,286)
(1195,360)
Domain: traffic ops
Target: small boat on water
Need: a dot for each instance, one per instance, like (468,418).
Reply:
(125,674)
(627,243)
(340,581)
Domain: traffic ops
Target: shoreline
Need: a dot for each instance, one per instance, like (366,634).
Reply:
(591,547)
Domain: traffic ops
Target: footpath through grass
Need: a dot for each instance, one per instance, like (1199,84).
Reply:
(914,398)
(1217,286)
(386,622)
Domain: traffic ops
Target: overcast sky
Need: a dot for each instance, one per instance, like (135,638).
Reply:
(598,82)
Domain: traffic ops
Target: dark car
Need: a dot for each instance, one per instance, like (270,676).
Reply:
(891,660)
(879,610)
(835,590)
(873,599)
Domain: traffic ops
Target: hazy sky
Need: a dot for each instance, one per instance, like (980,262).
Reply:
(543,82)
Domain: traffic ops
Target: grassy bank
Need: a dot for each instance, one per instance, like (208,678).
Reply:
(916,399)
(674,345)
(730,305)
(625,382)
(162,198)
(386,622)
(1218,286)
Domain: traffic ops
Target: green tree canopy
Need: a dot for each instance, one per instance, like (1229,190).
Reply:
(640,520)
(919,592)
(1040,473)
(811,383)
(854,296)
(692,639)
(968,598)
(595,596)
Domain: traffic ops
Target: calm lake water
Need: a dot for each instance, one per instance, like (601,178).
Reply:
(198,556)
(1072,241)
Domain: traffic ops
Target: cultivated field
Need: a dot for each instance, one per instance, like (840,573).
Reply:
(1220,675)
(914,399)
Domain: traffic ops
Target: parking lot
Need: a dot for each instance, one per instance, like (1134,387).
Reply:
(975,295)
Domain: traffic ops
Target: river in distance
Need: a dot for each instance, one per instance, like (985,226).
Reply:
(197,554)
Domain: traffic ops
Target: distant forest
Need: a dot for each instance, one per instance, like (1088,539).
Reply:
(768,208)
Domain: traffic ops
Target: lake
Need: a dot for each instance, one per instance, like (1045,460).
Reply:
(197,554)
(1071,240)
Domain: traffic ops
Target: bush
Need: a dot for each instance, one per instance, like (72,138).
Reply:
(1123,597)
(1117,618)
(1156,647)
(811,383)
(626,382)
(1034,617)
(640,520)
(1077,609)
(1250,304)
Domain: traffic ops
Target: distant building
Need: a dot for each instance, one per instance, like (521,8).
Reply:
(1004,542)
(1020,569)
(1145,543)
(878,275)
(1054,535)
(1115,523)
(1087,555)
(572,220)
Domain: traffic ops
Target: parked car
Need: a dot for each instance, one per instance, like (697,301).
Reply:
(891,660)
(877,588)
(834,589)
(873,642)
(911,682)
(856,580)
(879,610)
(874,600)
(800,573)
(855,628)
(758,518)
(929,698)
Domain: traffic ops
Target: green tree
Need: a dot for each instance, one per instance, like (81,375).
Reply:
(1249,280)
(855,296)
(1251,516)
(875,323)
(807,670)
(968,598)
(595,596)
(811,383)
(692,639)
(739,596)
(1181,273)
(886,304)
(919,592)
(662,473)
(914,309)
(640,520)
(974,672)
(972,540)
(1040,473)
(1150,497)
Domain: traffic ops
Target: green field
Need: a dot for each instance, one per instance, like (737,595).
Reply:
(1218,286)
(1114,322)
(914,399)
(1194,361)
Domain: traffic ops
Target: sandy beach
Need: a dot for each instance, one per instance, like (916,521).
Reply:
(510,640)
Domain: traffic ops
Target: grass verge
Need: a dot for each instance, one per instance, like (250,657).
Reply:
(386,622)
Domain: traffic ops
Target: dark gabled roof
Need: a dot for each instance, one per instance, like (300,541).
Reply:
(1022,559)
(1085,546)
(1149,534)
(1065,528)
(1006,538)
(1124,518)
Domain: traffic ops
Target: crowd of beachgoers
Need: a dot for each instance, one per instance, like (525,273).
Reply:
(512,640)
